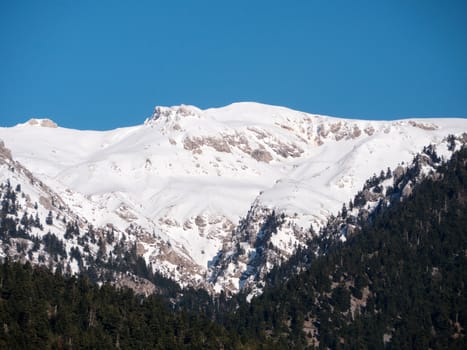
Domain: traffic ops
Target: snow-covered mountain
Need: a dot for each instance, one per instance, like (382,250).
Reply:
(187,183)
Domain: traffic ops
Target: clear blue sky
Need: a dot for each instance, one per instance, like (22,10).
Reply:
(104,64)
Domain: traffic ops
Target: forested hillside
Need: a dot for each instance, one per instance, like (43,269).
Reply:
(399,282)
(40,310)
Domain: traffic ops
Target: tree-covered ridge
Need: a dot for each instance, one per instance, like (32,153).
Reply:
(399,282)
(266,237)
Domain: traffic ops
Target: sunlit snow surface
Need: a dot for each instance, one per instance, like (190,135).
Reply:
(189,175)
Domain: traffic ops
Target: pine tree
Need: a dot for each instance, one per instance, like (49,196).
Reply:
(49,219)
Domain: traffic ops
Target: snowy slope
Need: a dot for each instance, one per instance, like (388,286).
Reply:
(188,175)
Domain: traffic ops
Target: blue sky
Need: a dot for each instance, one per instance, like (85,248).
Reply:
(105,64)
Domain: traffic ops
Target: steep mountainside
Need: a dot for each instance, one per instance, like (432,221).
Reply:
(191,190)
(388,272)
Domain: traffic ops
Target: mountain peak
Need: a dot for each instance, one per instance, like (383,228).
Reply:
(174,112)
(43,122)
